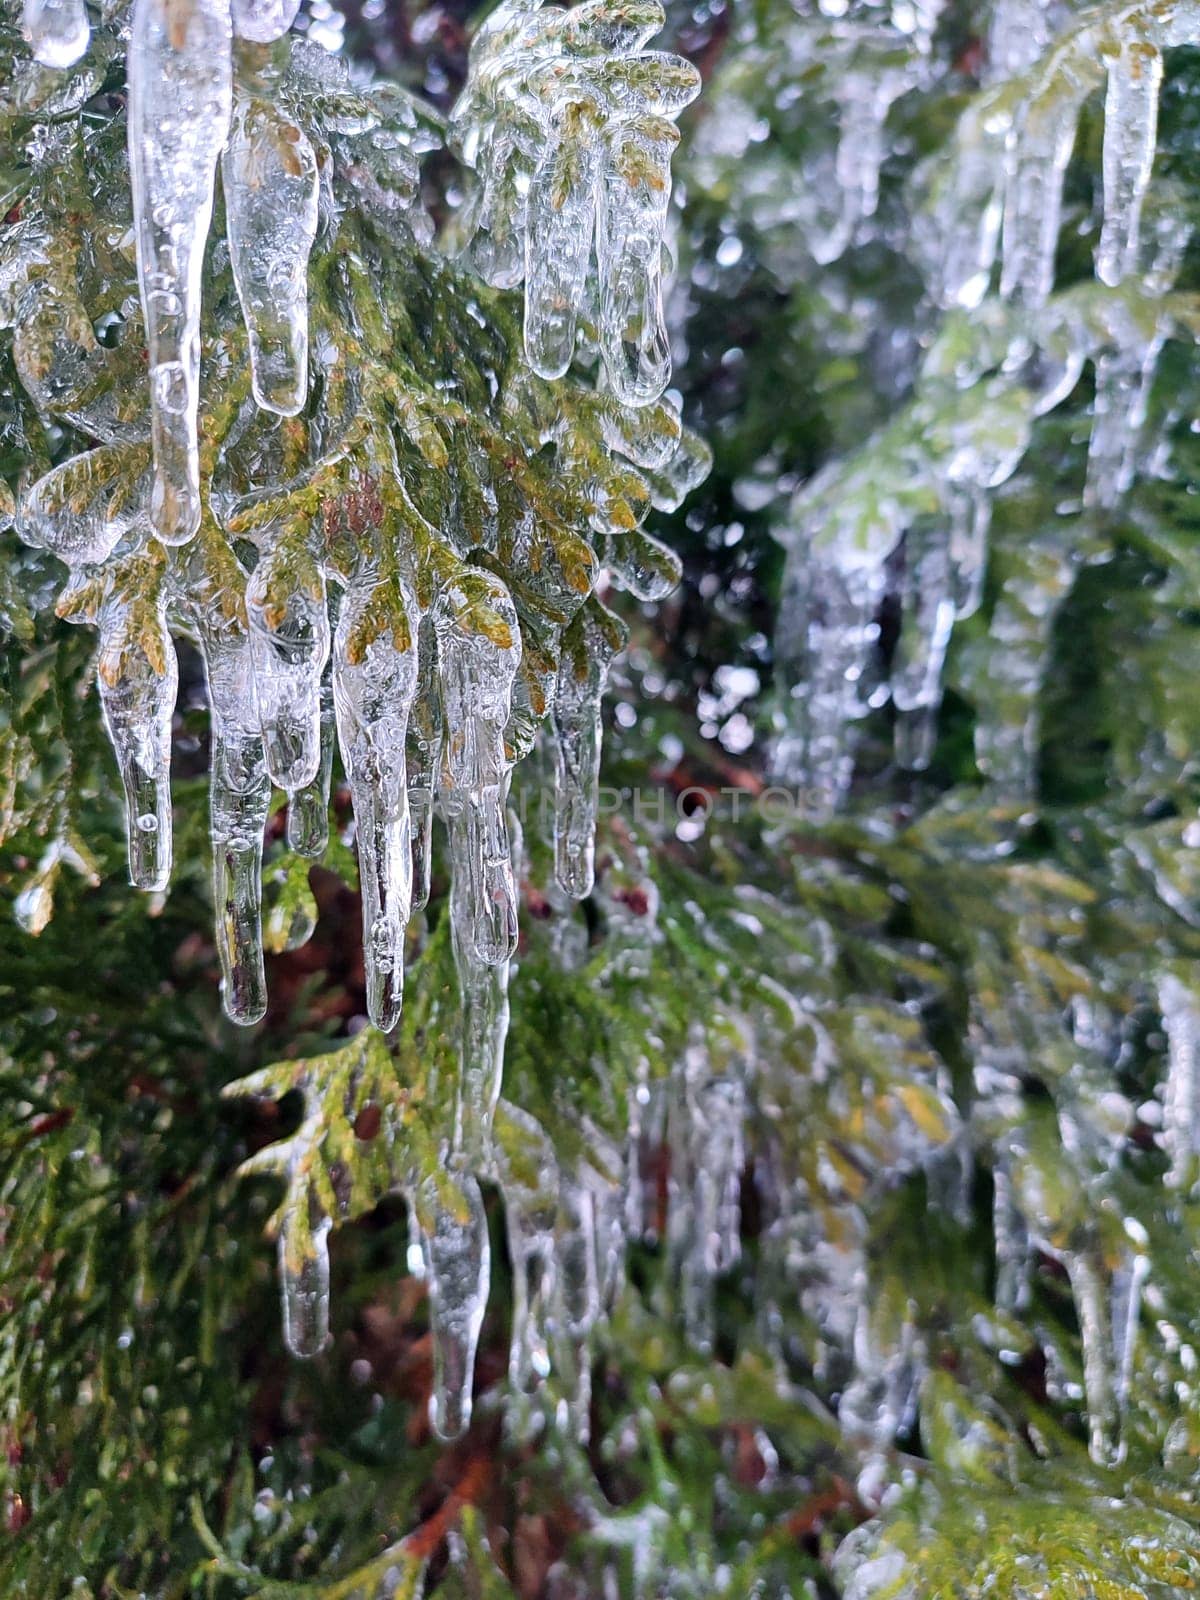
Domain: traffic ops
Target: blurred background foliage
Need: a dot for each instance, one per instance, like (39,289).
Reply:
(159,1442)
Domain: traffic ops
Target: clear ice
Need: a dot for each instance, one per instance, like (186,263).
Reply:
(57,30)
(269,176)
(373,688)
(180,99)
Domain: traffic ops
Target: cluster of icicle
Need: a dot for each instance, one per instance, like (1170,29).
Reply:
(1103,1251)
(855,62)
(358,617)
(568,1217)
(569,122)
(920,534)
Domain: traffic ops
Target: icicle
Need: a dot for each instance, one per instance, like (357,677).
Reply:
(1085,1270)
(529,1180)
(304,1290)
(1128,1281)
(424,757)
(454,1238)
(139,678)
(374,681)
(1013,1246)
(864,101)
(483,995)
(588,648)
(497,249)
(289,645)
(1130,135)
(632,219)
(579,1293)
(609,1201)
(57,31)
(879,1398)
(1181,1092)
(584,115)
(707,1156)
(308,808)
(970,519)
(531,1249)
(558,243)
(239,802)
(827,628)
(929,612)
(180,85)
(262,21)
(1007,689)
(269,174)
(1124,376)
(479,649)
(1040,147)
(957,230)
(302,1245)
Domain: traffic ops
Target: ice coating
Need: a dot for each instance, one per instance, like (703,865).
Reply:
(569,125)
(180,99)
(57,30)
(82,509)
(262,21)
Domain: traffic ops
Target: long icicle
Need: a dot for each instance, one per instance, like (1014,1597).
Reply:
(1130,137)
(239,801)
(138,680)
(180,97)
(373,688)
